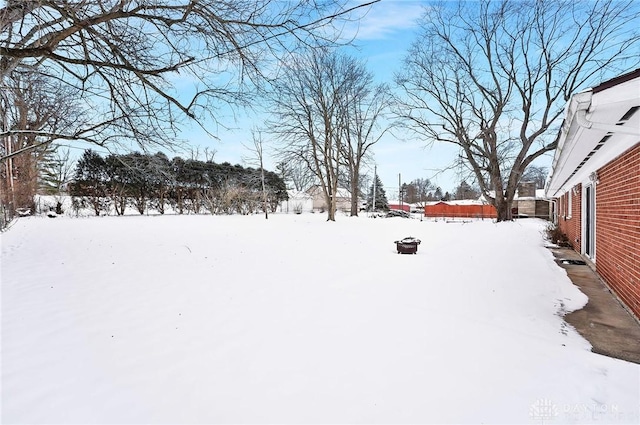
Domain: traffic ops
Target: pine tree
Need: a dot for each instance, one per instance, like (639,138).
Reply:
(438,194)
(49,182)
(466,191)
(90,182)
(55,172)
(381,202)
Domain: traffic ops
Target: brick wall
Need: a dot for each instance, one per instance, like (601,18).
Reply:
(618,227)
(569,217)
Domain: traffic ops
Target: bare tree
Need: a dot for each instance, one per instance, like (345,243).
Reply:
(536,174)
(293,170)
(418,191)
(363,108)
(142,65)
(329,115)
(28,103)
(493,77)
(257,158)
(307,103)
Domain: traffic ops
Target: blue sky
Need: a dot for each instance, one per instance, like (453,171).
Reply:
(382,38)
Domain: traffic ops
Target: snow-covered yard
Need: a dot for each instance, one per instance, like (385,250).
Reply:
(209,319)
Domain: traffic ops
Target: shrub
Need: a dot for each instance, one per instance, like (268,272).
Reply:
(556,236)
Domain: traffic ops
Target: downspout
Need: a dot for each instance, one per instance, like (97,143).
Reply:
(554,216)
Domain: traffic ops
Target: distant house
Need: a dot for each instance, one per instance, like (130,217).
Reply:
(298,202)
(531,202)
(343,199)
(595,182)
(528,202)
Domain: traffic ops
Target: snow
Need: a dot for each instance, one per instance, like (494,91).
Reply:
(221,319)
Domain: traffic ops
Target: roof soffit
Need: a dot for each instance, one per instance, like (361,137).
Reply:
(583,150)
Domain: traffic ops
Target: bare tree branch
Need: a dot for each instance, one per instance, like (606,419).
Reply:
(494,78)
(144,66)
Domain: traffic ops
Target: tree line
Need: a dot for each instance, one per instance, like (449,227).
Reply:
(489,77)
(104,72)
(187,186)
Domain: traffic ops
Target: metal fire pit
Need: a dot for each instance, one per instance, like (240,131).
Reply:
(407,245)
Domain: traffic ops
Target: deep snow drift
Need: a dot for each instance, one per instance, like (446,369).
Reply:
(184,319)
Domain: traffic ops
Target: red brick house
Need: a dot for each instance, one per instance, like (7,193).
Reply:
(595,182)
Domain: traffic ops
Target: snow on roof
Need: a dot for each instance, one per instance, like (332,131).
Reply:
(540,195)
(296,194)
(458,202)
(341,193)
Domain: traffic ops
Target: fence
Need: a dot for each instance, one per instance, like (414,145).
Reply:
(460,211)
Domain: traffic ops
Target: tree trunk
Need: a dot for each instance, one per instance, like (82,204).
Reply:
(180,201)
(354,196)
(264,189)
(331,207)
(503,208)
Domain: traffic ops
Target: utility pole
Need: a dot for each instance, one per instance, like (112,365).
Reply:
(400,191)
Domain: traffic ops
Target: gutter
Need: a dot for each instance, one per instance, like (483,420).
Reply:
(575,118)
(581,119)
(579,102)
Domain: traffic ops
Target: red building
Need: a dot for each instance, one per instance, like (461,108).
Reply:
(396,205)
(595,182)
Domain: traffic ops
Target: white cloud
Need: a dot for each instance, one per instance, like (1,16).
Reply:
(385,19)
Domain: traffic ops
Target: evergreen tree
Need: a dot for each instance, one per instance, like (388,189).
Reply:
(49,167)
(117,179)
(438,194)
(151,181)
(466,191)
(90,182)
(381,202)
